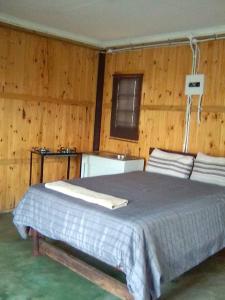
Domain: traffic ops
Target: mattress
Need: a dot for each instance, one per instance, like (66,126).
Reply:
(169,225)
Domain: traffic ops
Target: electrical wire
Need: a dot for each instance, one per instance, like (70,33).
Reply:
(187,124)
(195,67)
(199,109)
(164,43)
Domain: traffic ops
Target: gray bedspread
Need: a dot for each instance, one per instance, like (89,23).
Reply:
(169,226)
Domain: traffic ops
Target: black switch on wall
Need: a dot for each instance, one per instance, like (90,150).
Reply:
(194,84)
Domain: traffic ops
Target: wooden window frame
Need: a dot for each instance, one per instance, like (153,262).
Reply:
(122,132)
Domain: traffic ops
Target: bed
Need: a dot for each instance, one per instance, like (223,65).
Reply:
(169,226)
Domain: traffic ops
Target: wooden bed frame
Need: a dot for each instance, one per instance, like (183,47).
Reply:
(106,282)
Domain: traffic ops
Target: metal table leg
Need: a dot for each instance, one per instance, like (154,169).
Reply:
(68,168)
(42,168)
(31,157)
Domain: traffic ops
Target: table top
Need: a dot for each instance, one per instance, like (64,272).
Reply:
(52,153)
(112,155)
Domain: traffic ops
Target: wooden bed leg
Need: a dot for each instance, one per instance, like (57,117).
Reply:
(35,237)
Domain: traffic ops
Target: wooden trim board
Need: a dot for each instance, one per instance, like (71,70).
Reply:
(50,36)
(99,100)
(48,99)
(176,108)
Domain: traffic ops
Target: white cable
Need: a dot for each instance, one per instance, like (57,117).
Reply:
(189,99)
(186,127)
(198,58)
(193,56)
(195,68)
(200,96)
(187,124)
(163,43)
(199,109)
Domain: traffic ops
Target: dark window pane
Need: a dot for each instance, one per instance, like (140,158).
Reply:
(127,86)
(124,118)
(126,106)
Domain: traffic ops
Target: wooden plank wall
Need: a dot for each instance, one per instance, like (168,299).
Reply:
(163,101)
(47,98)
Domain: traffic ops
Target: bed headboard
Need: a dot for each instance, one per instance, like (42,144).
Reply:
(171,151)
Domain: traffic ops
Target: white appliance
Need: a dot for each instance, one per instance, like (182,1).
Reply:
(100,163)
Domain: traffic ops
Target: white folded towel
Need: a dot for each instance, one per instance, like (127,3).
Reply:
(86,194)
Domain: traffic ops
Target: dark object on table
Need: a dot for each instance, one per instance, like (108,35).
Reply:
(66,150)
(40,149)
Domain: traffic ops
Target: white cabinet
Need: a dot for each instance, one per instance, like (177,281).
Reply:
(96,164)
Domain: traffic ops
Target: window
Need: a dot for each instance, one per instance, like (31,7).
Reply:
(126,106)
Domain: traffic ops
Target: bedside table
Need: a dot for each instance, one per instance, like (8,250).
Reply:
(52,154)
(106,163)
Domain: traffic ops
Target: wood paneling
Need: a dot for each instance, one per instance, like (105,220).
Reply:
(47,98)
(163,101)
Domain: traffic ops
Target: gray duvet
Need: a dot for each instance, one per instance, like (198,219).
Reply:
(169,226)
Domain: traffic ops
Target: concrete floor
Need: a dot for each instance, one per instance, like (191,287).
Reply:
(23,277)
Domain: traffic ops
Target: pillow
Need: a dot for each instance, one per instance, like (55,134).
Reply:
(172,164)
(209,169)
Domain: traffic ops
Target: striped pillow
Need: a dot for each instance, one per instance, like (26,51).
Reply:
(209,169)
(172,164)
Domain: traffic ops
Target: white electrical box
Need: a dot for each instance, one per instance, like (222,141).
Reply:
(194,85)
